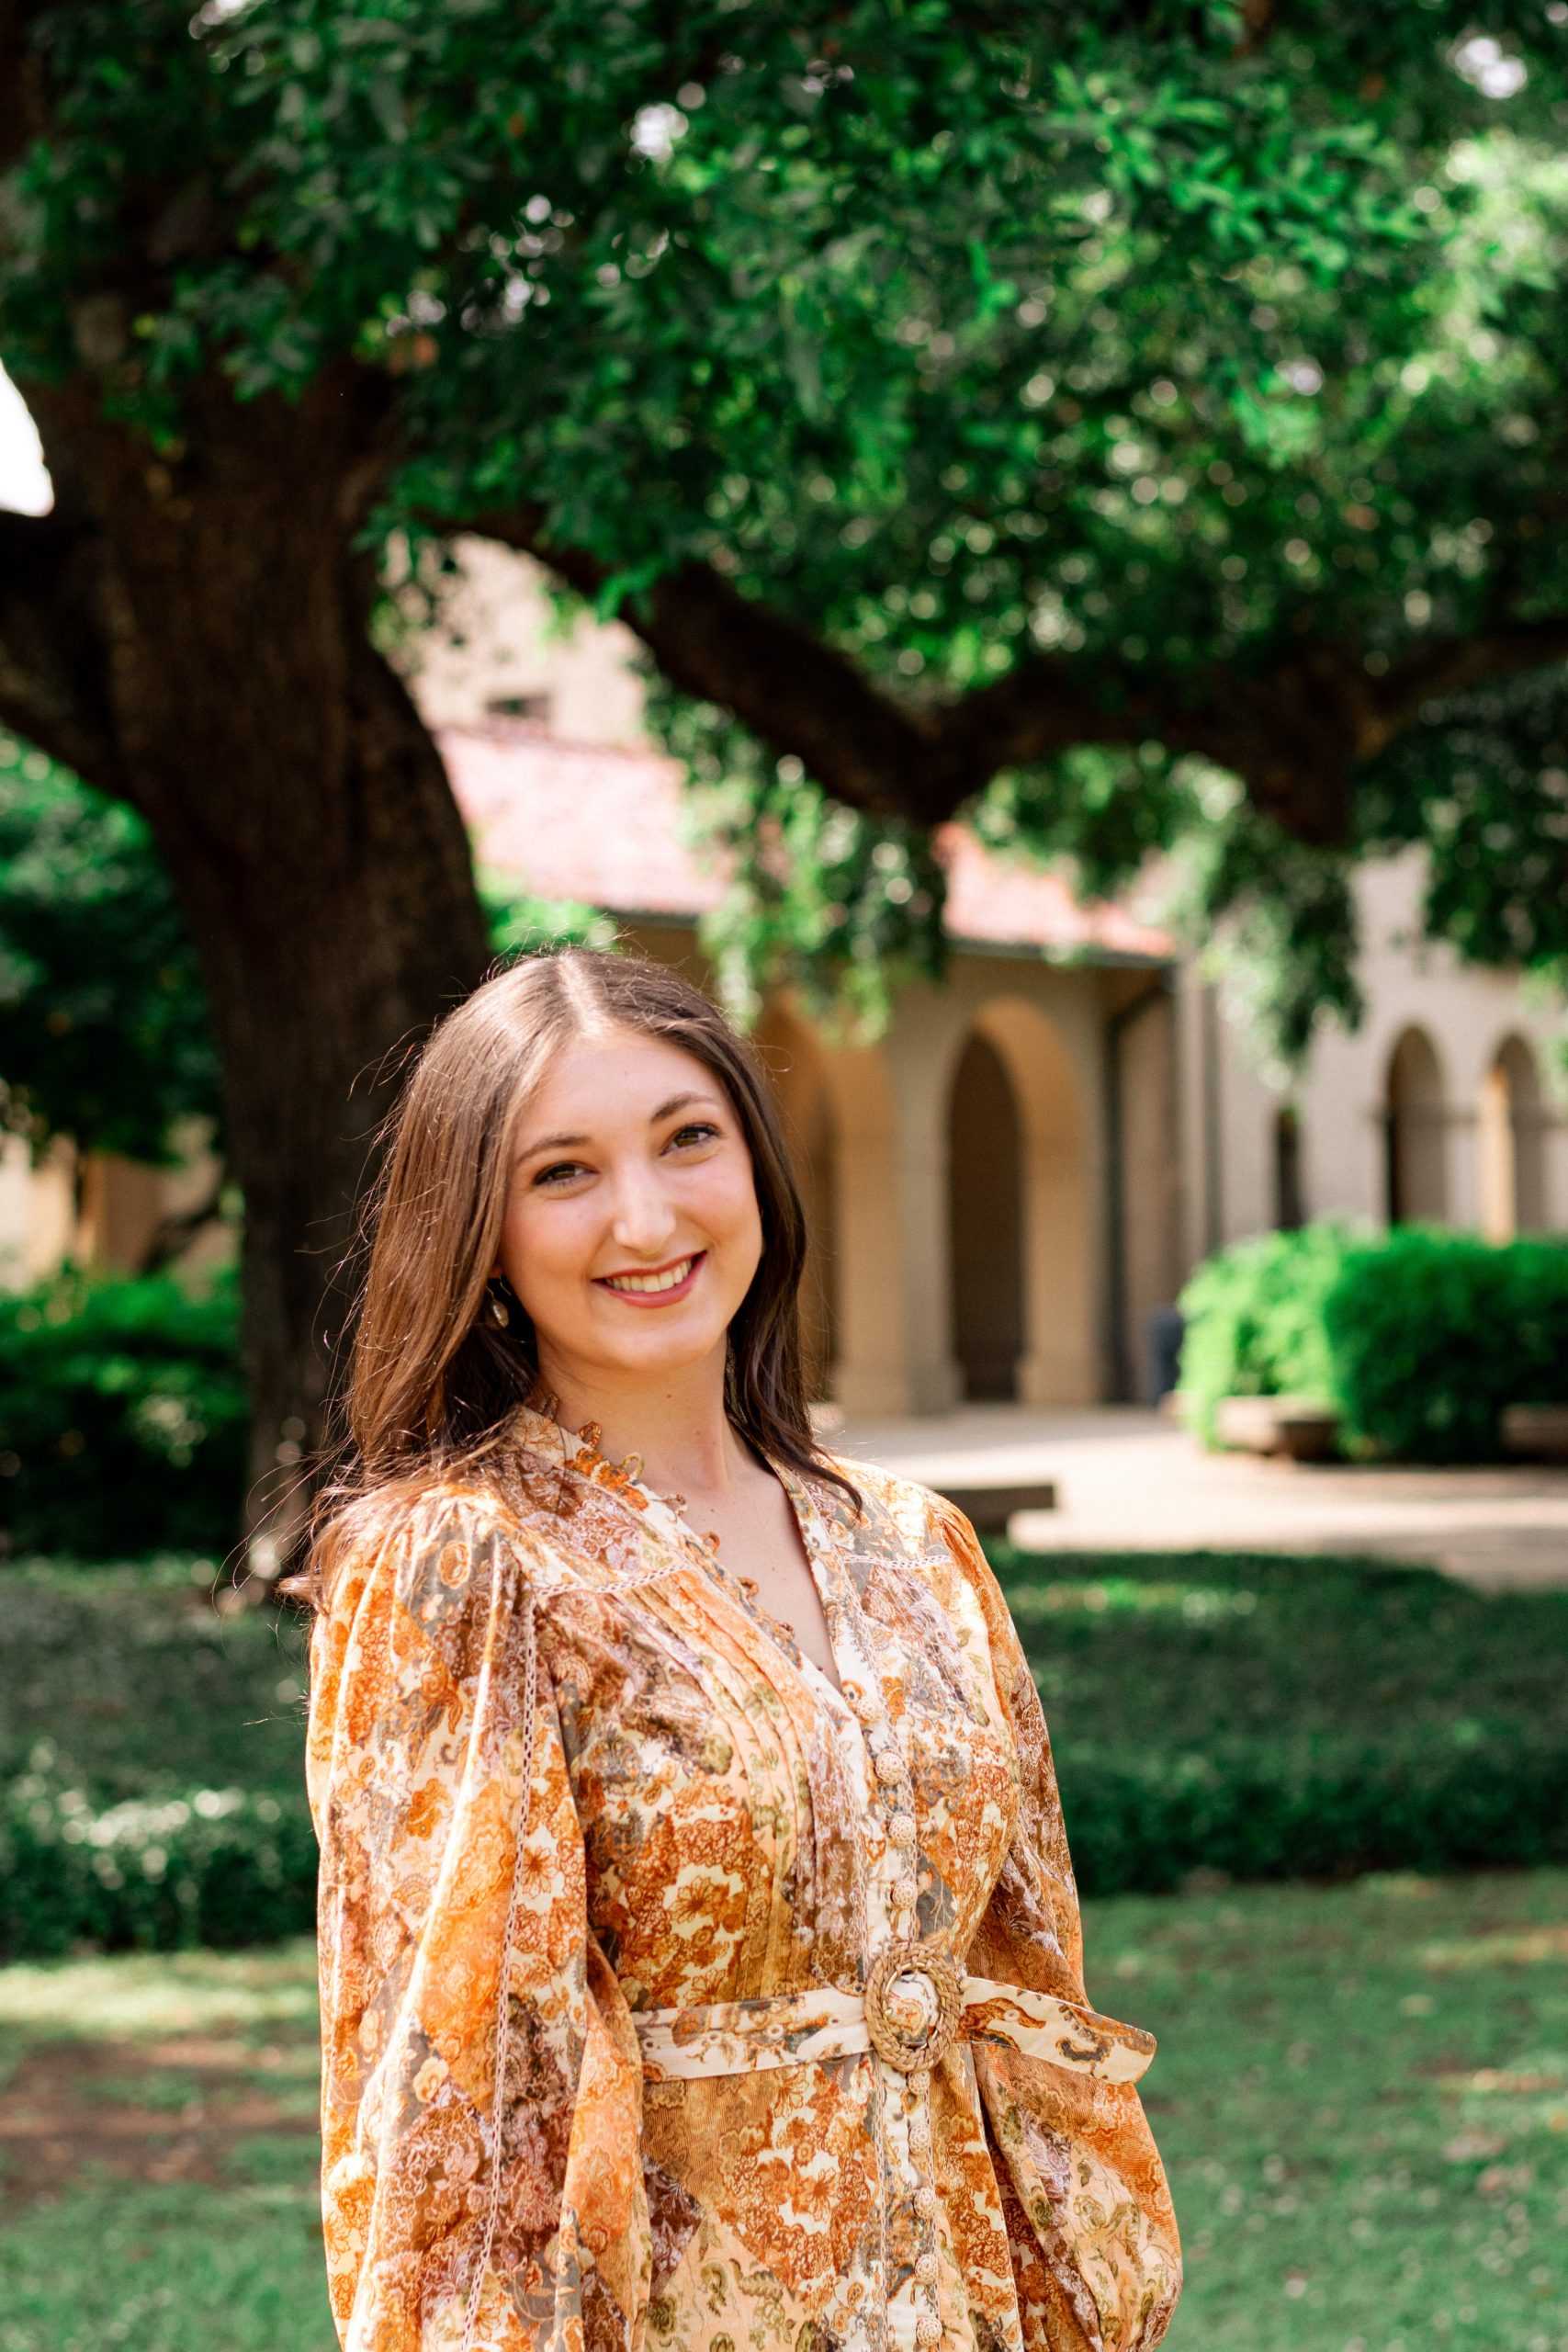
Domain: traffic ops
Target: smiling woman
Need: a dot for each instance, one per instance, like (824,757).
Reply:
(700,1953)
(656,1222)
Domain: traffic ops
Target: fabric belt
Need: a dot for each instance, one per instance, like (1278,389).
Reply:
(915,2005)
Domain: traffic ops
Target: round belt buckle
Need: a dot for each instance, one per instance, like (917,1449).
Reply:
(914,1999)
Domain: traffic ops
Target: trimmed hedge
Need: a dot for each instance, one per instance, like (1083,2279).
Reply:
(1314,1806)
(1265,1716)
(216,1866)
(1417,1337)
(1432,1334)
(1257,1716)
(1254,1318)
(123,1416)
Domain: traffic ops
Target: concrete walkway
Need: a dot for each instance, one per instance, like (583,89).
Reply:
(1130,1480)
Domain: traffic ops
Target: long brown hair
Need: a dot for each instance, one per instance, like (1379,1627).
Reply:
(432,1380)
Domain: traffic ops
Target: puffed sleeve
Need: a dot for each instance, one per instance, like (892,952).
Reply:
(482,2182)
(1096,2253)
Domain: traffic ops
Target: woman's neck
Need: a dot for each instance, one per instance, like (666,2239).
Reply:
(677,1425)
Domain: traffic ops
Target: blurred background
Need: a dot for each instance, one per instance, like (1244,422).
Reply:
(1026,555)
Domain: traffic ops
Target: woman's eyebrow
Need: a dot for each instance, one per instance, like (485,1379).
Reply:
(559,1143)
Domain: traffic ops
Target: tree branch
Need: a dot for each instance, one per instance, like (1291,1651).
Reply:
(1449,665)
(793,690)
(1294,731)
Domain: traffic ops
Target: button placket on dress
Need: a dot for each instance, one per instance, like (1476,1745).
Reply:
(913,2310)
(902,2104)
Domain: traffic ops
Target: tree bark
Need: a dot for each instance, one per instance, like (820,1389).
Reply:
(309,832)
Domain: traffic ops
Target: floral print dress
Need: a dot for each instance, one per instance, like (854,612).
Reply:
(672,1998)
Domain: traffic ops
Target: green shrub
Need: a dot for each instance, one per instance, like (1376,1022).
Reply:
(122,1415)
(1432,1334)
(1254,1714)
(1315,1806)
(214,1866)
(1417,1337)
(1271,1717)
(1255,1320)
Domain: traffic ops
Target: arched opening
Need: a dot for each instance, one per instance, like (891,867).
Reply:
(1289,1211)
(1023,1241)
(1415,1133)
(1512,1173)
(985,1222)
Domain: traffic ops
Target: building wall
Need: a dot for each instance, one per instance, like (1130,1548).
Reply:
(1154,1209)
(495,650)
(38,1211)
(1466,1016)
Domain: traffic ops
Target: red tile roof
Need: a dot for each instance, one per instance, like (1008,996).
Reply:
(606,826)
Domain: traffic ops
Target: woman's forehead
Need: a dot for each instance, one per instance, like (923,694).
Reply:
(595,1085)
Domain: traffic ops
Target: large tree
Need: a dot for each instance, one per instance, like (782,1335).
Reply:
(1120,426)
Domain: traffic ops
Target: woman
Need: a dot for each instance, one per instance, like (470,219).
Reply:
(700,1956)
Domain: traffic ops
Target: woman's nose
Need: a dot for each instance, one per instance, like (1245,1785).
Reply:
(643,1216)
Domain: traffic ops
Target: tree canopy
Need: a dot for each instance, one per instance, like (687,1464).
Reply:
(1131,428)
(1010,410)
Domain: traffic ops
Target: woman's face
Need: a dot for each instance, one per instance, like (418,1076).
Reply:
(629,1161)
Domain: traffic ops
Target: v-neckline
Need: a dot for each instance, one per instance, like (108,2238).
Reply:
(802,1508)
(575,1446)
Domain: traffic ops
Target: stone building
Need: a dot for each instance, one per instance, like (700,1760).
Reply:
(1007,1186)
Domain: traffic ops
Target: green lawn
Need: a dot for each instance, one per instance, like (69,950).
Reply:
(1361,2090)
(1362,2093)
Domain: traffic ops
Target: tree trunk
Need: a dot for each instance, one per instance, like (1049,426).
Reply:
(309,832)
(321,987)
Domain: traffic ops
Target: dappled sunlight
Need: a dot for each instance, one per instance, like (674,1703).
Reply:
(1515,2082)
(1196,1604)
(1518,1948)
(139,1995)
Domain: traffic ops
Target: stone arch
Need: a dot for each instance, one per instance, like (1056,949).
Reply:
(1045,1243)
(1511,1129)
(1416,1176)
(985,1221)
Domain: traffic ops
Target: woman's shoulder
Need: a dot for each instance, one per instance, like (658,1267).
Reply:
(435,1529)
(417,1507)
(901,1508)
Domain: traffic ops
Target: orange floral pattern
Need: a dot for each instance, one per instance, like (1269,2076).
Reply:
(606,2085)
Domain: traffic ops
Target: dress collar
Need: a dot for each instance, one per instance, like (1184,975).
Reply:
(536,1429)
(536,1425)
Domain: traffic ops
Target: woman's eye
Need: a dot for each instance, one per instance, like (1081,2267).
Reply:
(571,1167)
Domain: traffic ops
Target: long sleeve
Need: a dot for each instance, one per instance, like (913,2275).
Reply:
(455,2221)
(1096,2252)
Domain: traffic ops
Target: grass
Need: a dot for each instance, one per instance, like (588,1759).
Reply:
(1247,1643)
(1361,2094)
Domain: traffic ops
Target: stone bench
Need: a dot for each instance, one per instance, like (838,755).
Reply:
(989,1506)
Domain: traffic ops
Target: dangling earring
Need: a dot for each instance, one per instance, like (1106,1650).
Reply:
(500,1312)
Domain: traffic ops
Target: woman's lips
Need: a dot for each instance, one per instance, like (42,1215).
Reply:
(655,1298)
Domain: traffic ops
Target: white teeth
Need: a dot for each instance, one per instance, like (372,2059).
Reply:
(654,1282)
